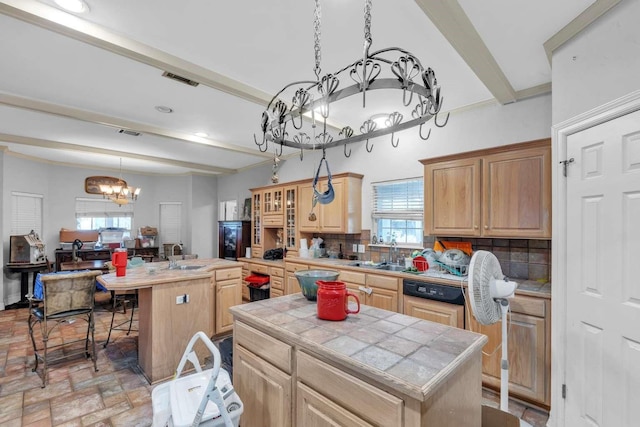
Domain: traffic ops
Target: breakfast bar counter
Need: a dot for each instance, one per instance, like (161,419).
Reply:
(176,303)
(374,368)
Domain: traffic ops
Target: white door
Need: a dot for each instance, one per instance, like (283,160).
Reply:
(603,275)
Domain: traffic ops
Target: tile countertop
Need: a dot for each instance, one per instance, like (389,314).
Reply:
(141,277)
(525,287)
(411,356)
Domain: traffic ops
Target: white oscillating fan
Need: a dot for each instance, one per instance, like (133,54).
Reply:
(488,291)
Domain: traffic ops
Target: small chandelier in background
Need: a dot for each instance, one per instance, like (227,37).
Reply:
(420,99)
(115,189)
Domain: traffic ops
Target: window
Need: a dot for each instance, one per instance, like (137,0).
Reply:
(97,214)
(398,211)
(26,213)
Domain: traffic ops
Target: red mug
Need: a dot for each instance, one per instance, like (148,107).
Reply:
(333,300)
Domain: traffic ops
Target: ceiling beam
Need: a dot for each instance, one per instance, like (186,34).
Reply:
(579,23)
(450,19)
(69,25)
(118,123)
(55,145)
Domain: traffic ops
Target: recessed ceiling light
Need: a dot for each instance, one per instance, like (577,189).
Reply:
(75,6)
(164,109)
(201,134)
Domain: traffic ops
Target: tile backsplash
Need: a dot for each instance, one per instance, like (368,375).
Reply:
(519,258)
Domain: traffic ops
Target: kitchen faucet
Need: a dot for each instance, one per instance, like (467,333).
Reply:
(172,262)
(393,251)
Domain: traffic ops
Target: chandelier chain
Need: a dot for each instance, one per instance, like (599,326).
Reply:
(317,15)
(367,26)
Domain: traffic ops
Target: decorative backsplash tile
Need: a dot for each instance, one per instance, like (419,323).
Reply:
(519,258)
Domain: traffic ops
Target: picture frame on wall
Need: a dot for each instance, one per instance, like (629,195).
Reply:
(246,210)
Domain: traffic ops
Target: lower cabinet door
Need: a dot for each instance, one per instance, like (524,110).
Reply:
(264,389)
(383,298)
(316,410)
(228,294)
(434,311)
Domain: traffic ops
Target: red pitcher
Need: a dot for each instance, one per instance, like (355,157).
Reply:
(333,300)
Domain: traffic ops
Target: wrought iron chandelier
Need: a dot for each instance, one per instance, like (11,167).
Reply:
(389,68)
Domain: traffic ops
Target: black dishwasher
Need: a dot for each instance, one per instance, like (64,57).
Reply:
(444,294)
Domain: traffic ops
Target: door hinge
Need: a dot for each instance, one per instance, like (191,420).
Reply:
(565,163)
(564,391)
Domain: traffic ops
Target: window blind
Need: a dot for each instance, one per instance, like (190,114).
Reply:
(26,213)
(170,221)
(400,199)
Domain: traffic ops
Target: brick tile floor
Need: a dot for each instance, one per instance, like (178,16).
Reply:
(116,395)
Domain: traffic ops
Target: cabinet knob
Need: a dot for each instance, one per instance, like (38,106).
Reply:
(475,226)
(486,227)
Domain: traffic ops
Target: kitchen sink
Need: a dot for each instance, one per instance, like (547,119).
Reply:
(186,267)
(391,267)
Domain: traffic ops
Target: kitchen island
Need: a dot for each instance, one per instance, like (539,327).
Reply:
(375,368)
(174,304)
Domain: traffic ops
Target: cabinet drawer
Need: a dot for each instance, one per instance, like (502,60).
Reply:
(277,283)
(272,350)
(273,220)
(246,294)
(352,277)
(259,268)
(275,293)
(528,305)
(383,282)
(257,252)
(358,397)
(276,271)
(228,273)
(292,266)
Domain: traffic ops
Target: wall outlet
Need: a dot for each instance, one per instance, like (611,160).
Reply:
(181,299)
(355,247)
(360,249)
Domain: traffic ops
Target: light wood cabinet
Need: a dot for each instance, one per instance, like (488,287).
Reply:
(291,233)
(382,292)
(528,347)
(265,390)
(228,284)
(273,207)
(434,311)
(262,367)
(501,192)
(342,215)
(256,224)
(316,410)
(291,281)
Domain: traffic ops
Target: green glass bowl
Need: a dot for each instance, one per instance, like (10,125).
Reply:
(307,280)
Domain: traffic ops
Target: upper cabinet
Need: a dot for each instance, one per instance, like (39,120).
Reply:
(342,215)
(501,192)
(273,207)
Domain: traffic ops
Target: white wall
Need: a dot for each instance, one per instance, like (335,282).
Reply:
(60,185)
(599,65)
(483,127)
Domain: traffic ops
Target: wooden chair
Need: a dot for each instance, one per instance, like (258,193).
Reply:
(65,297)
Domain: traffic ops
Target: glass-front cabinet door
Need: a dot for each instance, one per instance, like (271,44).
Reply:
(291,207)
(256,220)
(272,201)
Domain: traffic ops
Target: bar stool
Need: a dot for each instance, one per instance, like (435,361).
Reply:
(122,299)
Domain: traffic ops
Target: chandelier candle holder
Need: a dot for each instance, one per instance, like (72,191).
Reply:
(312,102)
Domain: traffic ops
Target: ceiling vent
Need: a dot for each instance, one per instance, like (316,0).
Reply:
(180,79)
(129,132)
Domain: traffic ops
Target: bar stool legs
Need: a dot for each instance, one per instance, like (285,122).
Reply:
(122,299)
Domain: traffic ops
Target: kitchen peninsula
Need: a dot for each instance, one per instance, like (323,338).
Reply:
(176,303)
(375,368)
